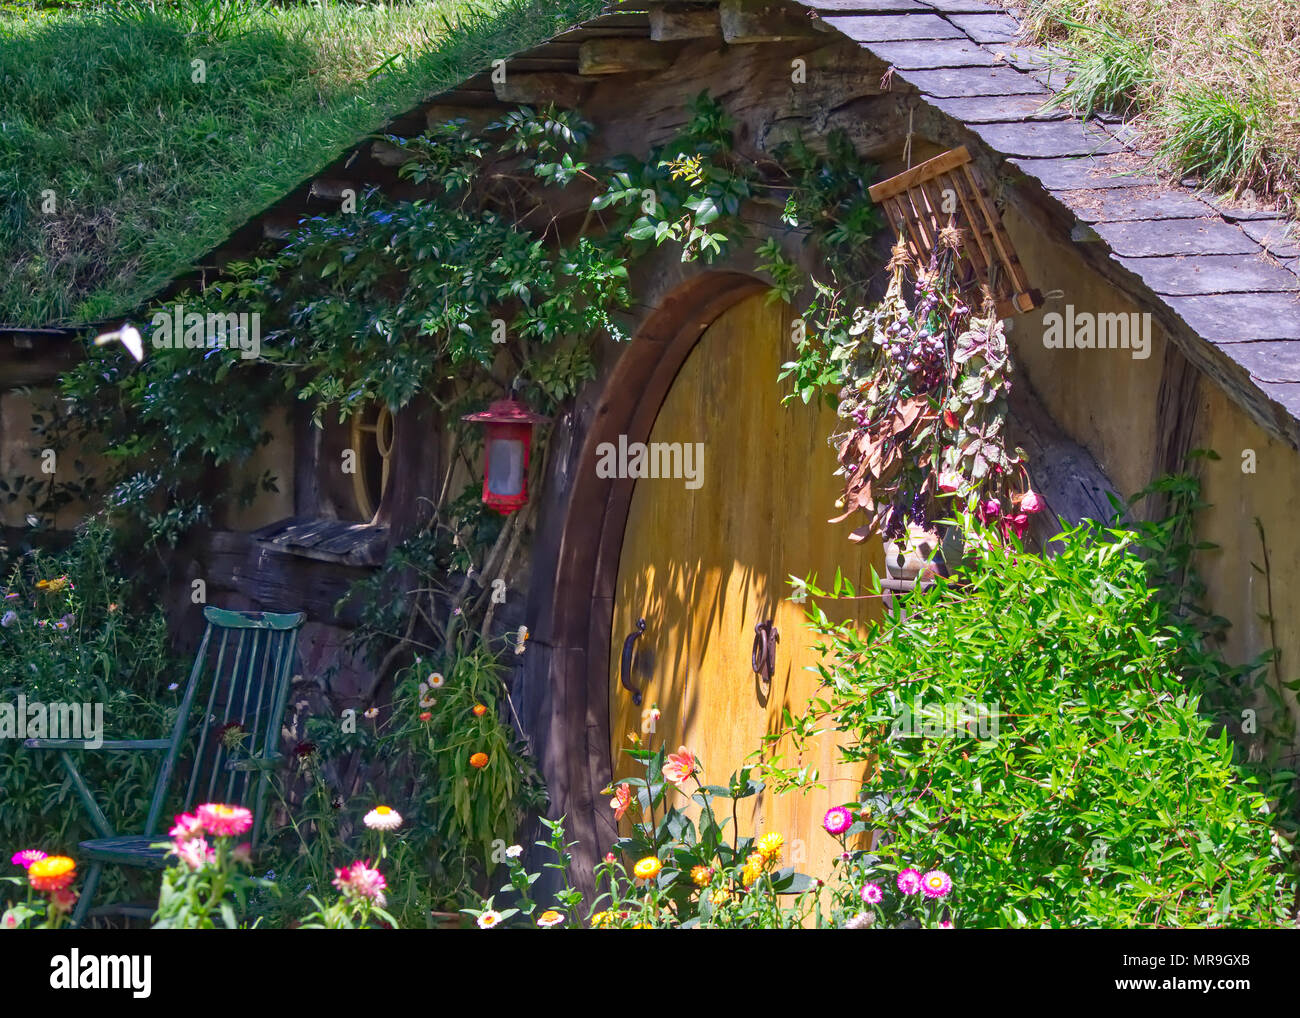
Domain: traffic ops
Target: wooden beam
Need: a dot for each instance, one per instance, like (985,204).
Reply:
(747,21)
(387,154)
(622,56)
(668,24)
(565,90)
(931,167)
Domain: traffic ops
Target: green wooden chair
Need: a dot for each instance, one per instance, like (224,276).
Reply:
(243,666)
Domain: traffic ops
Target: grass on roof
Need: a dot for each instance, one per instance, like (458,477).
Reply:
(1213,85)
(122,160)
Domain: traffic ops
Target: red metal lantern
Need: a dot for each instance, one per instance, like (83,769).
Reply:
(508,441)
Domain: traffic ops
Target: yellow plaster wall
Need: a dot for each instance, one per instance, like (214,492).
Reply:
(1104,399)
(1236,590)
(277,457)
(1107,401)
(20,454)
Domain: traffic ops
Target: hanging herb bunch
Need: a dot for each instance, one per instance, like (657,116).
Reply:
(925,406)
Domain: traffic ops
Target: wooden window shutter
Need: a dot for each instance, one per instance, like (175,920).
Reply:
(916,200)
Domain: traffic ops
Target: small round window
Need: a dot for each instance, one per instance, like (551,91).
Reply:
(372,440)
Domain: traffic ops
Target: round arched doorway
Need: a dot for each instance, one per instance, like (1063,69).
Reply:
(703,555)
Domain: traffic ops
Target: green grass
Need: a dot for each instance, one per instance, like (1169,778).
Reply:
(149,169)
(1213,86)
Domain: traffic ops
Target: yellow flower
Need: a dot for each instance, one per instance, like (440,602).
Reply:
(720,896)
(602,919)
(54,586)
(701,875)
(52,873)
(647,868)
(753,869)
(770,845)
(550,918)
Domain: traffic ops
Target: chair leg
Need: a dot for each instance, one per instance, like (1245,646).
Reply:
(87,897)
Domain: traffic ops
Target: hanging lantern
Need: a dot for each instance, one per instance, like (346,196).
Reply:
(508,441)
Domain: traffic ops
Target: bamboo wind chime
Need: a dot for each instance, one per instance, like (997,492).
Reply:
(945,191)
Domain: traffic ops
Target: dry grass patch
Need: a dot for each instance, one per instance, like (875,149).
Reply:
(1212,85)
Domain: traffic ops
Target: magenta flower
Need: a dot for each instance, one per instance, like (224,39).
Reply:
(837,820)
(194,853)
(26,857)
(909,881)
(360,881)
(187,826)
(224,821)
(1032,503)
(935,884)
(946,925)
(1016,524)
(872,894)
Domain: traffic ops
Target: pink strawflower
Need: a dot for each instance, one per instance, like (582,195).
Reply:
(225,821)
(837,820)
(361,881)
(621,801)
(936,884)
(187,826)
(26,857)
(909,881)
(946,925)
(193,852)
(679,766)
(872,894)
(1032,502)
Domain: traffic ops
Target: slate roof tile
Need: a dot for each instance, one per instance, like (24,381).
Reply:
(968,81)
(1204,274)
(895,27)
(987,27)
(1144,239)
(992,109)
(1240,317)
(933,53)
(1070,173)
(1129,204)
(1278,237)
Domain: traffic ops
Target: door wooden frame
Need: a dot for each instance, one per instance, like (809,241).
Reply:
(568,682)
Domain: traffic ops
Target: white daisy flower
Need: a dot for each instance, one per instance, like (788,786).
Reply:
(436,681)
(489,919)
(514,851)
(383,818)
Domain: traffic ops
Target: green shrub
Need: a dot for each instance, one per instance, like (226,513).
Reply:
(1099,795)
(70,634)
(416,757)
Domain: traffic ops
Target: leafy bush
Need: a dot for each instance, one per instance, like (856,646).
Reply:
(449,764)
(70,635)
(1056,761)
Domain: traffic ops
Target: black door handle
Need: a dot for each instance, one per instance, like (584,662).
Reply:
(763,657)
(625,665)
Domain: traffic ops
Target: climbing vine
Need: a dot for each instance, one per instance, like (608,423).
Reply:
(503,276)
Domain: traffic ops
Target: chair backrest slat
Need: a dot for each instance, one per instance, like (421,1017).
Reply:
(247,685)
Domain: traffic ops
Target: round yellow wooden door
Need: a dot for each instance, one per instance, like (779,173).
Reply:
(706,558)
